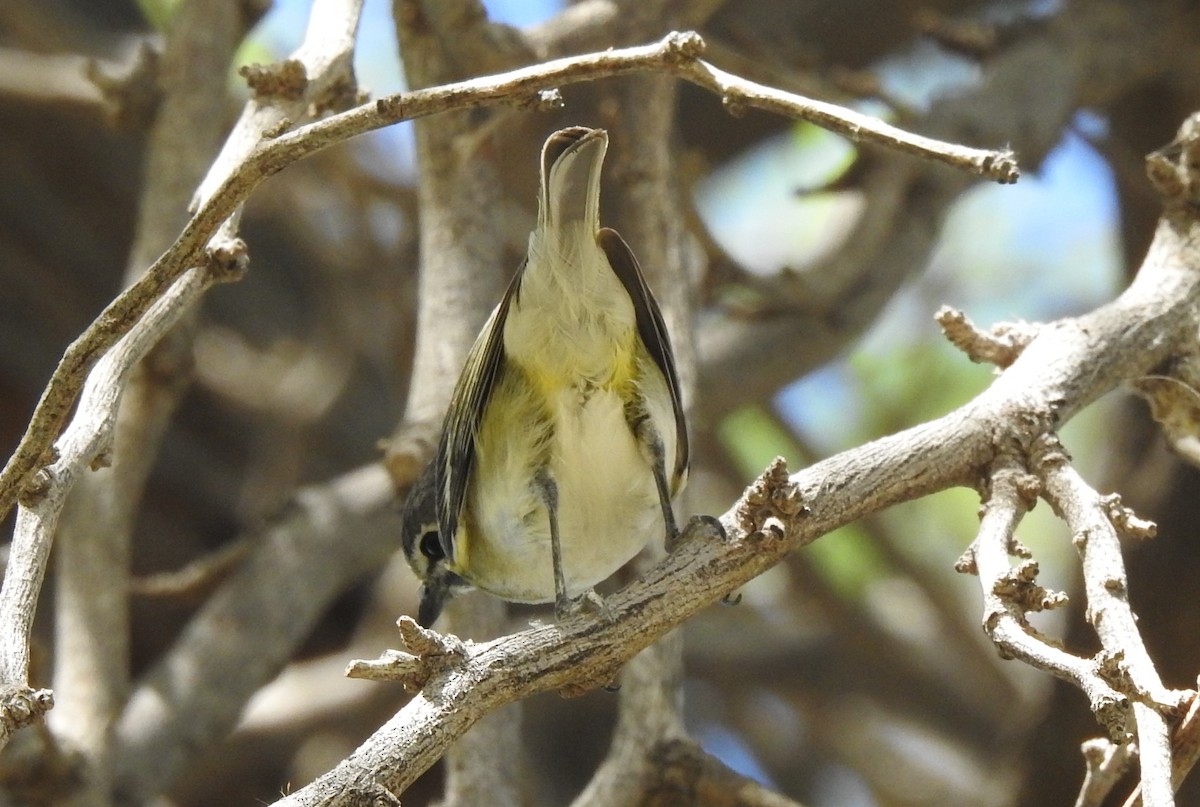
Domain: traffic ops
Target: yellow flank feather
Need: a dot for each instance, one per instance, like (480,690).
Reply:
(547,422)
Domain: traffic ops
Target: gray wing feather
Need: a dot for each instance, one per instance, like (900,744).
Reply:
(651,329)
(456,449)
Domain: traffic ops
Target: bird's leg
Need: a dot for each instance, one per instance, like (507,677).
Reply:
(548,489)
(658,465)
(564,605)
(651,446)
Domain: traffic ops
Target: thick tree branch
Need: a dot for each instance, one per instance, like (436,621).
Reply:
(244,634)
(650,707)
(92,630)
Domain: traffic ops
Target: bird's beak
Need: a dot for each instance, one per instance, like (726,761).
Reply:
(438,588)
(434,594)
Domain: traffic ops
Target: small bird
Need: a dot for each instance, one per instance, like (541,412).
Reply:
(565,440)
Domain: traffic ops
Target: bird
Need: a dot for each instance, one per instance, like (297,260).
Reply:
(565,441)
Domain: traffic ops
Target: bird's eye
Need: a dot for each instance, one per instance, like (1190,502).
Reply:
(431,547)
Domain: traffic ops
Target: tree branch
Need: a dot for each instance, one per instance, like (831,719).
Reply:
(738,94)
(677,54)
(92,630)
(1106,763)
(1110,614)
(246,631)
(1009,594)
(82,442)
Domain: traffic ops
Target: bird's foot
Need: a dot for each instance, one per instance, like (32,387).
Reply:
(589,602)
(702,526)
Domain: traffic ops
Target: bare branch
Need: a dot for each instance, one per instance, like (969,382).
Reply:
(331,534)
(325,62)
(143,316)
(1185,743)
(92,630)
(21,706)
(432,653)
(1004,608)
(392,665)
(1087,513)
(85,440)
(198,576)
(738,93)
(1000,346)
(1106,763)
(677,54)
(574,655)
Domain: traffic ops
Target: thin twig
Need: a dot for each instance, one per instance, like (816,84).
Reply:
(1004,609)
(197,577)
(1106,763)
(1087,513)
(1000,346)
(739,93)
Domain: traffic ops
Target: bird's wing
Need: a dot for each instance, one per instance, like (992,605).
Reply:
(460,431)
(651,329)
